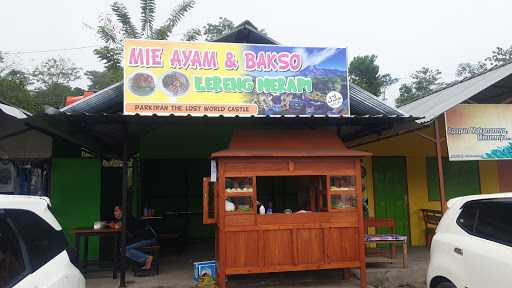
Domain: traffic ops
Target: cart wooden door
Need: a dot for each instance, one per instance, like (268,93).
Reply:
(209,207)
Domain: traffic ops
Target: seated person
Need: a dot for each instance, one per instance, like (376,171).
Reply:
(138,235)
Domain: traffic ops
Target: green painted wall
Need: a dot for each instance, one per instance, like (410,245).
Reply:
(461,178)
(185,141)
(174,181)
(75,195)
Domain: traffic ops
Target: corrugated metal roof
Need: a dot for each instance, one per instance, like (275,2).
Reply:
(363,102)
(12,110)
(110,101)
(441,101)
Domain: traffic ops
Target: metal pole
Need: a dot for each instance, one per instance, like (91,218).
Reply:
(440,167)
(122,278)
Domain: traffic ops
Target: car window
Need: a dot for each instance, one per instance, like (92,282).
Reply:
(41,240)
(494,222)
(12,266)
(467,216)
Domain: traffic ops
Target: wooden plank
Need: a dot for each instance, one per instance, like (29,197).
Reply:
(295,246)
(284,268)
(278,249)
(242,249)
(240,220)
(325,241)
(261,248)
(288,227)
(265,166)
(361,231)
(342,244)
(309,246)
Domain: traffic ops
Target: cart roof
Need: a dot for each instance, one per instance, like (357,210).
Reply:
(287,143)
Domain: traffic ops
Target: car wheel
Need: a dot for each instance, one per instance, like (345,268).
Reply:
(445,285)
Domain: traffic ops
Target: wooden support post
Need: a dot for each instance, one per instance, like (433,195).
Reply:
(440,167)
(122,278)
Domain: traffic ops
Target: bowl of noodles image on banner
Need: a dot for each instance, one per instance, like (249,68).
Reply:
(141,83)
(174,84)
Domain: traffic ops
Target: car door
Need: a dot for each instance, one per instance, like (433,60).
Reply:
(45,252)
(487,252)
(13,265)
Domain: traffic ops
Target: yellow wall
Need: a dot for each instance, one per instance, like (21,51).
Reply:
(489,177)
(416,148)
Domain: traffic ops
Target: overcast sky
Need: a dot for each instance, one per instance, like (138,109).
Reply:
(405,34)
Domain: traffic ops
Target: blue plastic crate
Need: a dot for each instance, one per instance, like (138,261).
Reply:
(208,267)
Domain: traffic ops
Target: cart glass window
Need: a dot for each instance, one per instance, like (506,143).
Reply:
(342,190)
(238,194)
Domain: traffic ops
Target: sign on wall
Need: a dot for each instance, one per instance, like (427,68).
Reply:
(182,78)
(479,132)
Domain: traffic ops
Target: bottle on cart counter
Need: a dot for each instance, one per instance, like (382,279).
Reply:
(262,210)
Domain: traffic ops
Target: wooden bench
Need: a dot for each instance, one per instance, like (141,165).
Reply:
(391,238)
(431,219)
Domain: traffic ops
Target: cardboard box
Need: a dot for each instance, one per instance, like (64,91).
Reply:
(206,267)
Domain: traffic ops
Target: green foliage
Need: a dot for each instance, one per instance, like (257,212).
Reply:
(52,77)
(213,31)
(364,72)
(103,79)
(55,95)
(15,92)
(113,32)
(177,14)
(500,56)
(55,71)
(192,35)
(110,57)
(387,80)
(424,82)
(123,17)
(147,17)
(465,70)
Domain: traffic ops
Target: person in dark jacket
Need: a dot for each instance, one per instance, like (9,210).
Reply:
(138,235)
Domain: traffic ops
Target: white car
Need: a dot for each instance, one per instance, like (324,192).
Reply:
(472,246)
(33,246)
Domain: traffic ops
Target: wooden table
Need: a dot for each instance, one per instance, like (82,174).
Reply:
(90,232)
(389,239)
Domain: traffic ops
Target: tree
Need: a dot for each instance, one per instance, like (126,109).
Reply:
(387,80)
(53,77)
(424,82)
(102,79)
(55,95)
(13,90)
(500,56)
(364,72)
(54,71)
(192,35)
(465,70)
(13,86)
(112,32)
(213,31)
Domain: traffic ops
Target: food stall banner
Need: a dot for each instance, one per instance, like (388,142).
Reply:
(194,78)
(479,132)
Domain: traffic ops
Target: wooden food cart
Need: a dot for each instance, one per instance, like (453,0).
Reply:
(277,168)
